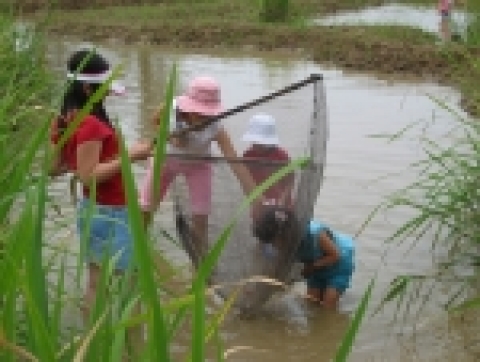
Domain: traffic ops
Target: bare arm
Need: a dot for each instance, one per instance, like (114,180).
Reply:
(331,254)
(89,167)
(242,173)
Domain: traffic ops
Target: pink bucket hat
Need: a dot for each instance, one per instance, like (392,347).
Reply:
(202,97)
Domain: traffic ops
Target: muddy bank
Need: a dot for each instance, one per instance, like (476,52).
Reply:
(350,47)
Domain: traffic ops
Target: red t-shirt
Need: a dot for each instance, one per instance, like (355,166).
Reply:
(260,172)
(109,192)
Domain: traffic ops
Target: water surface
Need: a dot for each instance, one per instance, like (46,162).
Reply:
(358,107)
(421,17)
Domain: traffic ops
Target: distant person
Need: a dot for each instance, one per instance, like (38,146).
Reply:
(445,8)
(200,102)
(327,256)
(265,146)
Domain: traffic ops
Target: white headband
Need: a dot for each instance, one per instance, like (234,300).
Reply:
(116,87)
(90,78)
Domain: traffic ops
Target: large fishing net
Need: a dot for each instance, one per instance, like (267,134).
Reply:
(301,121)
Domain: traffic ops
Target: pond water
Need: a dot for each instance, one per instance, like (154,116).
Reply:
(425,18)
(358,106)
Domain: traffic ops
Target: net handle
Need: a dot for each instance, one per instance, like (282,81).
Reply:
(313,78)
(212,158)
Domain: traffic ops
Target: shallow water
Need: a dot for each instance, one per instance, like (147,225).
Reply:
(358,107)
(425,18)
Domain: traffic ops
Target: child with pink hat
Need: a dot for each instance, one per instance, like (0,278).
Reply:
(200,101)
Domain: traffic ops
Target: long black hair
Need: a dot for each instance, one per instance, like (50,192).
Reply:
(84,61)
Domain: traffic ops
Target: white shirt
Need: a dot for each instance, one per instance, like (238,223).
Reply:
(198,142)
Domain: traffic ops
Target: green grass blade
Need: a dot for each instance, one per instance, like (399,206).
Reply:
(157,331)
(163,131)
(118,344)
(347,342)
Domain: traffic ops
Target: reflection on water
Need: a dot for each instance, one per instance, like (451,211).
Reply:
(425,18)
(358,107)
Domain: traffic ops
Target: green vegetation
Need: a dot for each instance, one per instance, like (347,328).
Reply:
(445,203)
(25,88)
(274,10)
(473,31)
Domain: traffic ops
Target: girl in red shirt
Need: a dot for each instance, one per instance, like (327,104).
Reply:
(92,154)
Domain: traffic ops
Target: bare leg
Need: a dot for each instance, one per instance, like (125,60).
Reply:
(315,295)
(331,298)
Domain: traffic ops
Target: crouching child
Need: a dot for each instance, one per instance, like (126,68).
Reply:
(328,256)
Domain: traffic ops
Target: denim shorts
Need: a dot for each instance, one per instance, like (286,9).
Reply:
(340,282)
(338,278)
(108,233)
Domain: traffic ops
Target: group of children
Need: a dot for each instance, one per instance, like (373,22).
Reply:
(91,152)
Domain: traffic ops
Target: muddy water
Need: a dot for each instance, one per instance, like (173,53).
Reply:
(358,107)
(425,18)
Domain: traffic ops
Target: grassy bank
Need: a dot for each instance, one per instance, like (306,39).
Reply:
(384,50)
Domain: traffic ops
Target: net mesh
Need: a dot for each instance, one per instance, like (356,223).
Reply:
(301,122)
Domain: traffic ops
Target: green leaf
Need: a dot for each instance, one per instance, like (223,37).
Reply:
(348,340)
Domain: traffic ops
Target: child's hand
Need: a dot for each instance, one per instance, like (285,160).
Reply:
(140,151)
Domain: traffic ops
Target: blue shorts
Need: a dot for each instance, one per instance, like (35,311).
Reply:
(340,282)
(338,277)
(108,233)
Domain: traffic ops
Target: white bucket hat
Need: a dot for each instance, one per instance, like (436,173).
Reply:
(262,130)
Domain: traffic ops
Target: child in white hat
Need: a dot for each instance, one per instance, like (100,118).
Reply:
(262,133)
